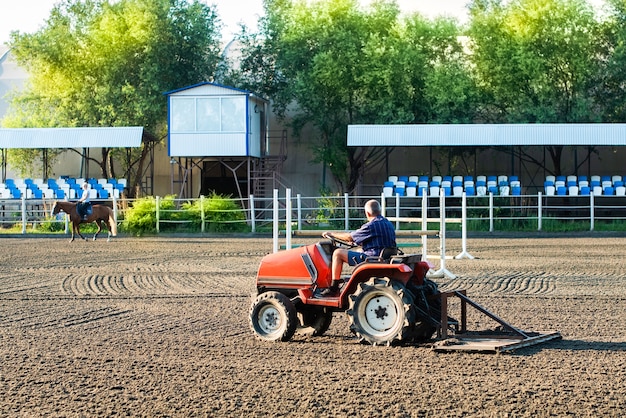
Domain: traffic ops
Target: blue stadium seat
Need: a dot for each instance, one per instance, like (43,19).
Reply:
(516,191)
(585,191)
(470,191)
(609,191)
(561,191)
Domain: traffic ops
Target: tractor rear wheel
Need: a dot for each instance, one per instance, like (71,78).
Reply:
(381,311)
(273,317)
(314,320)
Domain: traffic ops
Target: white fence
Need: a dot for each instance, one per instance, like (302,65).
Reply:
(490,213)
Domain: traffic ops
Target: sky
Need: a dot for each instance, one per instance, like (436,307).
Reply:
(28,16)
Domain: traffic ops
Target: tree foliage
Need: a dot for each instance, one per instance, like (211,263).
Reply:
(537,61)
(329,63)
(107,63)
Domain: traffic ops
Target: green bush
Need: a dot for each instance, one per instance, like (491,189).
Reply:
(222,214)
(51,224)
(141,217)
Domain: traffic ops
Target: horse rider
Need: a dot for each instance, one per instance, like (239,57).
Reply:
(83,205)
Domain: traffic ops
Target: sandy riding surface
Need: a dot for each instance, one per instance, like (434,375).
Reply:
(159,327)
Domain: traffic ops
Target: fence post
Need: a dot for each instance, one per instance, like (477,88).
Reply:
(158,213)
(383,205)
(299,210)
(464,253)
(252,214)
(114,208)
(287,218)
(397,212)
(424,226)
(67,217)
(592,215)
(490,212)
(539,211)
(275,215)
(23,213)
(202,217)
(346,206)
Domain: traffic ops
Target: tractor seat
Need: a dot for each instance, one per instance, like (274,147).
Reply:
(385,255)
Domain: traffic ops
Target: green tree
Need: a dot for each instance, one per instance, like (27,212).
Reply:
(537,62)
(328,64)
(107,63)
(611,86)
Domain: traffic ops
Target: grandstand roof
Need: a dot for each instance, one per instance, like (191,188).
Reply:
(487,134)
(117,137)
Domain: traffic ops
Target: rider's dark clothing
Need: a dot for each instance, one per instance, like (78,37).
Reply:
(375,235)
(83,209)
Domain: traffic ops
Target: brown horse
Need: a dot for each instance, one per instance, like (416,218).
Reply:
(100,214)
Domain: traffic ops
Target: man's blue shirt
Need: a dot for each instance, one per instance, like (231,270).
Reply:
(375,235)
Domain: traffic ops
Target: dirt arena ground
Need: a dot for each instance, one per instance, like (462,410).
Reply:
(157,327)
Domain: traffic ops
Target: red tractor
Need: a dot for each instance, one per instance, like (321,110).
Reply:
(388,299)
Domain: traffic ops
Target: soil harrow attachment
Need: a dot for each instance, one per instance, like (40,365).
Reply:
(453,335)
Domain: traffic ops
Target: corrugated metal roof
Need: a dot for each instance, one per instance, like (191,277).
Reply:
(487,135)
(118,137)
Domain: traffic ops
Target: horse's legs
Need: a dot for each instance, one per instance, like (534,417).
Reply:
(77,227)
(99,223)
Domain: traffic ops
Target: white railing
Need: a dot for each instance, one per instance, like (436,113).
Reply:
(344,212)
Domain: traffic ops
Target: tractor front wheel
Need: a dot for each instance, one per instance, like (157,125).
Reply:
(381,311)
(273,317)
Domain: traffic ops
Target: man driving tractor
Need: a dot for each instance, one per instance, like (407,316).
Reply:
(373,237)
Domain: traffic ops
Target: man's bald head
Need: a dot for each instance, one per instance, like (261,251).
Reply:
(372,207)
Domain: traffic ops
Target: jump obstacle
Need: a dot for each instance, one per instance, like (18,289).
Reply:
(424,233)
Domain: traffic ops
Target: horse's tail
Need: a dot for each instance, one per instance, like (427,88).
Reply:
(112,224)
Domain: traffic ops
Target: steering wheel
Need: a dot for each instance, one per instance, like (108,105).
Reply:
(337,242)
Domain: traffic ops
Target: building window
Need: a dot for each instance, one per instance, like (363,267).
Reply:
(211,115)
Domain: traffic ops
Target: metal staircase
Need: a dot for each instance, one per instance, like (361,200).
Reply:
(266,171)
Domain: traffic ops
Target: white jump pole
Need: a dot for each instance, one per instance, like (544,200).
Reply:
(464,253)
(275,215)
(442,272)
(424,226)
(288,218)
